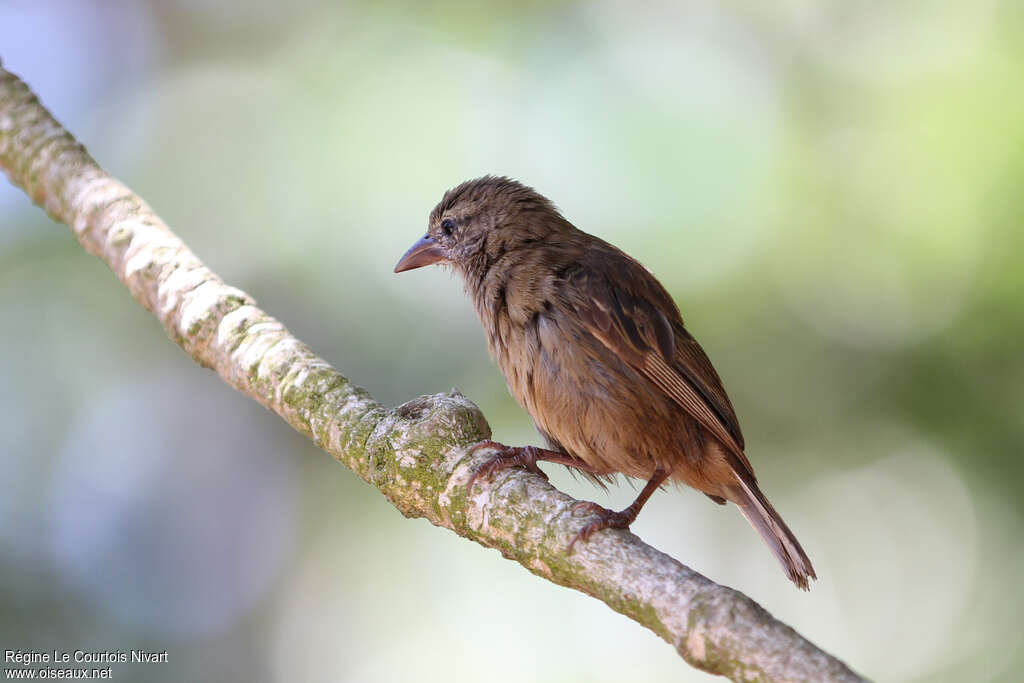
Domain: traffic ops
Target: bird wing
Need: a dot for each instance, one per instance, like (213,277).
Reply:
(622,305)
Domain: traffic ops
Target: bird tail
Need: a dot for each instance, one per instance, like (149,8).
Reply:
(767,522)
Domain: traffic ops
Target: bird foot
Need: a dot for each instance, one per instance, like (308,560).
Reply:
(507,456)
(607,519)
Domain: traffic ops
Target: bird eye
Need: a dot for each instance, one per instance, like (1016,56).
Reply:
(448,227)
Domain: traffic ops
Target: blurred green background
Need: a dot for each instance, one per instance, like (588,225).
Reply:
(831,191)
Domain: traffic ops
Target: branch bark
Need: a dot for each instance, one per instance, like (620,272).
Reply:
(414,454)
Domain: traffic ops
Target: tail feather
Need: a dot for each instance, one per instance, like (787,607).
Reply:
(767,522)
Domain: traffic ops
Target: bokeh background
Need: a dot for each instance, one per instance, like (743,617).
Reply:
(830,190)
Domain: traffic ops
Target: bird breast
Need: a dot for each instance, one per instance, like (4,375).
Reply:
(576,391)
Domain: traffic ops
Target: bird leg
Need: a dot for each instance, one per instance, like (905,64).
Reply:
(520,456)
(609,519)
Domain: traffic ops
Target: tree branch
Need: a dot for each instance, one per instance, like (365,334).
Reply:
(414,454)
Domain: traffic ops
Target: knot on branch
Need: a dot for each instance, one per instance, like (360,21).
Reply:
(416,448)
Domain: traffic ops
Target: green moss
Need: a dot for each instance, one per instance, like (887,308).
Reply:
(646,614)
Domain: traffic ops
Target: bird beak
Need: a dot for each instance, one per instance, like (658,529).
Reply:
(425,252)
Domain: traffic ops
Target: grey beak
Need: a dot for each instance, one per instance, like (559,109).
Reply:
(425,252)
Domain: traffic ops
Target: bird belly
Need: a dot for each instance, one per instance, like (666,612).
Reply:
(593,405)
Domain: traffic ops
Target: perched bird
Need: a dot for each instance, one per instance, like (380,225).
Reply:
(594,348)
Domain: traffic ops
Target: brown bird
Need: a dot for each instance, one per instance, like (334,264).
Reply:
(594,348)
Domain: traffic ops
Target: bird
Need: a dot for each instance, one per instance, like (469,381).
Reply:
(594,348)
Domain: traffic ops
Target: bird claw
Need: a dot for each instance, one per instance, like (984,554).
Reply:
(607,519)
(507,456)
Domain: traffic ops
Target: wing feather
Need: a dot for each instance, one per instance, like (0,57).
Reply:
(655,344)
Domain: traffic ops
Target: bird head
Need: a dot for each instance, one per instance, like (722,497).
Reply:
(478,221)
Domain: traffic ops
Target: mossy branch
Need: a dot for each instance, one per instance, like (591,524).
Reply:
(414,454)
